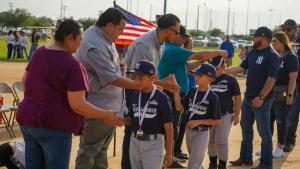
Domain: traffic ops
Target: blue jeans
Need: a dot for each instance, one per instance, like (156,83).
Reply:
(33,48)
(292,122)
(47,149)
(262,117)
(10,48)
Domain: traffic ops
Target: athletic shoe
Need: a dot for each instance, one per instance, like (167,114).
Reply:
(258,152)
(176,165)
(288,148)
(278,152)
(241,162)
(180,157)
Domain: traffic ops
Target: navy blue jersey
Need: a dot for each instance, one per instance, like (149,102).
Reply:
(226,86)
(296,50)
(260,64)
(289,63)
(157,114)
(208,109)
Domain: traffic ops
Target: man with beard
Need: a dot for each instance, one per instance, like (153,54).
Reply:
(291,30)
(262,64)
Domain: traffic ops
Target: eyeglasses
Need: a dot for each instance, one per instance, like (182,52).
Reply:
(176,32)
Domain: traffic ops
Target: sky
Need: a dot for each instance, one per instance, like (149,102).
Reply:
(213,15)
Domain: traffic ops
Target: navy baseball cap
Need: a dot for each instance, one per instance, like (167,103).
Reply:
(290,24)
(206,69)
(216,61)
(263,32)
(184,32)
(144,67)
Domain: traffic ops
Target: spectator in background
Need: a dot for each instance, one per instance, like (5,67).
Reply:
(23,44)
(227,45)
(16,44)
(10,44)
(34,42)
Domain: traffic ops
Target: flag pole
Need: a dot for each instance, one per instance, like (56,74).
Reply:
(115,3)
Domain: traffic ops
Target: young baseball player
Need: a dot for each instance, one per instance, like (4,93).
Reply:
(151,119)
(203,109)
(228,90)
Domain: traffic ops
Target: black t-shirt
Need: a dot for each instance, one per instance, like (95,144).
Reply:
(226,86)
(260,64)
(296,50)
(157,114)
(209,109)
(289,63)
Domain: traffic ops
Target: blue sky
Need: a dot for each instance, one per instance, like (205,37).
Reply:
(216,10)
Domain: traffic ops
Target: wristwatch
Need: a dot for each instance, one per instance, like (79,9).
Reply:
(261,97)
(290,95)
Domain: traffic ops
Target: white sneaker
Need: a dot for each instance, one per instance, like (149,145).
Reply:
(258,152)
(278,152)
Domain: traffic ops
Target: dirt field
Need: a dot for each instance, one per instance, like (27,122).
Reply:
(11,72)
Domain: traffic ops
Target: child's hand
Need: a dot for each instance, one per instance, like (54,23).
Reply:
(168,160)
(192,124)
(235,120)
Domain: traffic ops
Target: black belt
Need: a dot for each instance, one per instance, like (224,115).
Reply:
(145,137)
(201,128)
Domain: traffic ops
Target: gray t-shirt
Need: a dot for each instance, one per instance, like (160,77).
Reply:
(146,47)
(100,58)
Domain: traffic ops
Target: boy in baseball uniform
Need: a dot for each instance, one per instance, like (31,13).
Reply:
(228,91)
(203,109)
(151,119)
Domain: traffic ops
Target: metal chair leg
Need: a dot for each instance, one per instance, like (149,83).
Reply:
(115,143)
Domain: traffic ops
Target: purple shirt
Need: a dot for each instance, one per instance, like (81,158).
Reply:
(50,74)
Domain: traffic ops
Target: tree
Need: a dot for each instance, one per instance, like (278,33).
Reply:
(87,22)
(17,18)
(196,33)
(216,32)
(43,21)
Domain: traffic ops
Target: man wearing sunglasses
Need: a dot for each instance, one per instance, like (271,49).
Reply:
(175,60)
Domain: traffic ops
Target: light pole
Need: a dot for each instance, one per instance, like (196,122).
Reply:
(198,17)
(247,19)
(165,6)
(270,15)
(186,13)
(228,17)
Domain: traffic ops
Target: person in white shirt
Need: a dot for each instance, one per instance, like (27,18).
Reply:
(23,44)
(10,44)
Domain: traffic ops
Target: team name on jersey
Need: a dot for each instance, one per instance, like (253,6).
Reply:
(220,87)
(199,109)
(150,111)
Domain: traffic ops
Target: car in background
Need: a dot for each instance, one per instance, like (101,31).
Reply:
(200,41)
(214,42)
(235,44)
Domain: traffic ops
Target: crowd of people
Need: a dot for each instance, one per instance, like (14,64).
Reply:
(17,43)
(160,90)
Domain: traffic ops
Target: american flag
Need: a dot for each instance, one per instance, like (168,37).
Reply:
(134,28)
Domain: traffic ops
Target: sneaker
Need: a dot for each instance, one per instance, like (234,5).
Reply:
(176,165)
(180,157)
(288,148)
(241,162)
(258,152)
(278,152)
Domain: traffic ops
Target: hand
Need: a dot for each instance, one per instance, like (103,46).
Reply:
(192,124)
(235,120)
(257,102)
(111,117)
(168,160)
(289,100)
(171,79)
(224,54)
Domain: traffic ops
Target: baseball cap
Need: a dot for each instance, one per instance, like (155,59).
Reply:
(206,69)
(184,32)
(216,61)
(263,32)
(290,23)
(144,67)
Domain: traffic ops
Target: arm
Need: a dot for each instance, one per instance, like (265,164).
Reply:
(126,83)
(234,70)
(127,121)
(291,87)
(257,102)
(168,144)
(80,106)
(206,55)
(237,109)
(167,85)
(193,65)
(177,99)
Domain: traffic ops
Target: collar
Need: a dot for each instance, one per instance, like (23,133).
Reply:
(263,50)
(156,39)
(101,33)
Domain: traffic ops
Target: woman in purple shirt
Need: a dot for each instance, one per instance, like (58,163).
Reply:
(55,101)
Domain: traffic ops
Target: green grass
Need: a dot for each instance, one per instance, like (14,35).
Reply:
(3,49)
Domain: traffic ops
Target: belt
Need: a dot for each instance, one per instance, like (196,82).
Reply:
(146,137)
(201,128)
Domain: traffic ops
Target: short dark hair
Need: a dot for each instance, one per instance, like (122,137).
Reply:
(111,15)
(167,21)
(65,28)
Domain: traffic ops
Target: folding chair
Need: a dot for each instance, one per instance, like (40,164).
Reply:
(18,91)
(7,108)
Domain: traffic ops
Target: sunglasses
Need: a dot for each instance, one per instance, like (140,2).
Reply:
(176,32)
